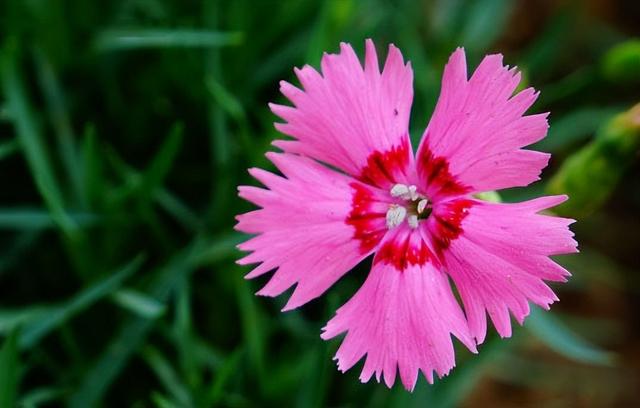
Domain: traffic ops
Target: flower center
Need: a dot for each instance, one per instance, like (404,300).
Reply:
(414,208)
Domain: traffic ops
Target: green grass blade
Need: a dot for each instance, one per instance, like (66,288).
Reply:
(225,99)
(30,139)
(155,38)
(167,376)
(59,117)
(9,370)
(104,371)
(4,113)
(18,247)
(139,303)
(10,319)
(557,336)
(222,247)
(134,182)
(230,366)
(162,162)
(30,219)
(41,397)
(183,334)
(55,316)
(252,322)
(92,183)
(7,149)
(173,205)
(161,401)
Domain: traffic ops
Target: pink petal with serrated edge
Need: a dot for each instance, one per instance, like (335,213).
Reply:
(500,261)
(347,113)
(401,321)
(478,129)
(301,228)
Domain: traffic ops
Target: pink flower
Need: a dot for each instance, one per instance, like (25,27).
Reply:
(351,187)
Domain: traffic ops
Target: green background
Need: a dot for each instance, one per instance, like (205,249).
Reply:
(125,127)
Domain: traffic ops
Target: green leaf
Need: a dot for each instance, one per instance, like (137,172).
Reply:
(621,63)
(575,126)
(138,303)
(9,370)
(590,175)
(115,39)
(568,86)
(486,20)
(552,332)
(491,196)
(542,56)
(57,315)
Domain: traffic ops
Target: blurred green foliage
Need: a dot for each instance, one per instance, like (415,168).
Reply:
(125,127)
(592,173)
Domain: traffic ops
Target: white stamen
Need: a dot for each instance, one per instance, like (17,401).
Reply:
(413,192)
(395,215)
(412,220)
(422,205)
(399,190)
(404,191)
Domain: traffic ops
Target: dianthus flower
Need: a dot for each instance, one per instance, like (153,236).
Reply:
(351,187)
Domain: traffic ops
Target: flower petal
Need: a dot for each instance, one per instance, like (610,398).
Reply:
(474,139)
(400,318)
(352,118)
(499,260)
(314,226)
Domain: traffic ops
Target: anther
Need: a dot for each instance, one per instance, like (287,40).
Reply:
(395,215)
(399,190)
(413,193)
(404,191)
(422,205)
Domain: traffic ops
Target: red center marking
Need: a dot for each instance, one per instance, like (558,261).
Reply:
(403,252)
(447,220)
(383,168)
(363,218)
(435,170)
